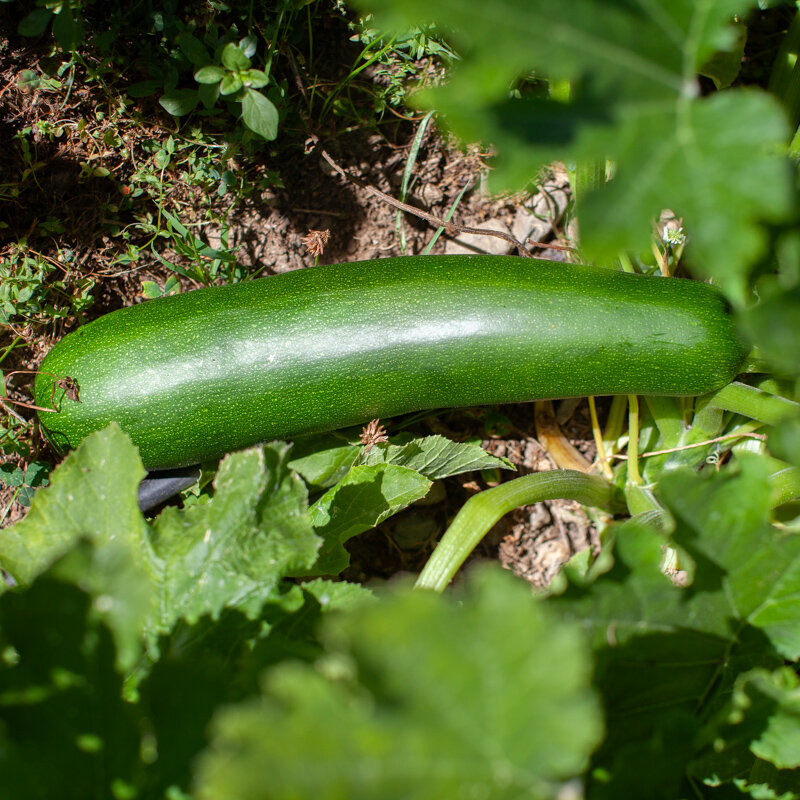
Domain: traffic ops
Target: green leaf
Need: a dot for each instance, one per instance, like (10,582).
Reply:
(723,521)
(172,285)
(229,553)
(230,83)
(255,78)
(67,29)
(210,74)
(773,324)
(11,475)
(478,695)
(323,460)
(724,67)
(234,57)
(766,782)
(151,290)
(436,457)
(668,658)
(248,45)
(28,80)
(208,94)
(234,551)
(91,497)
(193,49)
(179,102)
(759,726)
(361,500)
(717,162)
(778,695)
(65,730)
(338,595)
(161,159)
(260,115)
(34,24)
(784,441)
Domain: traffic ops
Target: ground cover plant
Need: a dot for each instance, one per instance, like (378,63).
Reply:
(225,647)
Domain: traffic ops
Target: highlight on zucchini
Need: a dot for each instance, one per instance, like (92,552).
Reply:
(192,376)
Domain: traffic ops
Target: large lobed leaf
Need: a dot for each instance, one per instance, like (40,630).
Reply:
(391,477)
(673,664)
(715,161)
(92,500)
(418,696)
(230,553)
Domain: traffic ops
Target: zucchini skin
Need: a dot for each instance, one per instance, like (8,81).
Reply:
(193,376)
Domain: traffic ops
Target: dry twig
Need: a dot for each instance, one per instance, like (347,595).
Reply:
(450,227)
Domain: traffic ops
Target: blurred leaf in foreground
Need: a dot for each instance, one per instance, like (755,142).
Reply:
(722,521)
(717,162)
(64,729)
(668,658)
(418,696)
(773,324)
(761,719)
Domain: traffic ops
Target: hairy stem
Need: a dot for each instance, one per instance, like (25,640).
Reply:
(751,402)
(482,511)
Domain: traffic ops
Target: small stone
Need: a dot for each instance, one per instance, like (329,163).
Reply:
(535,219)
(527,226)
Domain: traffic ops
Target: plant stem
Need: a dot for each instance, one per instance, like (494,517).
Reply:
(751,402)
(483,510)
(8,349)
(447,217)
(598,440)
(633,440)
(614,422)
(785,485)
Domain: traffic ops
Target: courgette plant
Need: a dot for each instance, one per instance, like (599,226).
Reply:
(199,652)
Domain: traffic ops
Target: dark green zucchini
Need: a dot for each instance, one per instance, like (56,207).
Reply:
(196,375)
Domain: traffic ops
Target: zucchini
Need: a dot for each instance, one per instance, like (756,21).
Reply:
(193,376)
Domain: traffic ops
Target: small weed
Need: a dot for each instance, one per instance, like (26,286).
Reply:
(25,481)
(40,288)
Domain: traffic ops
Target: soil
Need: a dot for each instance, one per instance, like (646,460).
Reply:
(267,232)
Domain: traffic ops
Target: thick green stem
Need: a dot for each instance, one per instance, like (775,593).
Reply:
(614,422)
(785,485)
(751,402)
(482,511)
(640,499)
